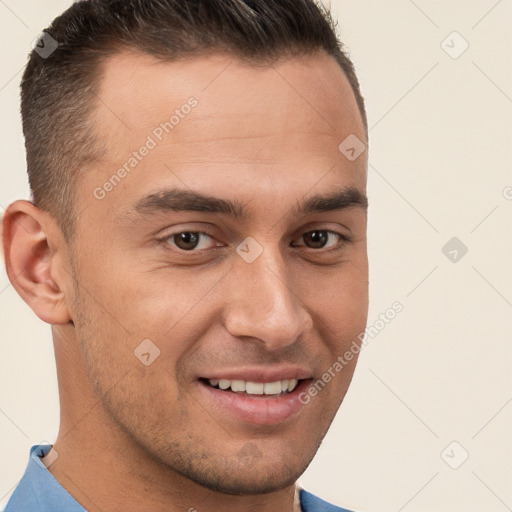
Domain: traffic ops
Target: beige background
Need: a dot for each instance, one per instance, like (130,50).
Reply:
(440,165)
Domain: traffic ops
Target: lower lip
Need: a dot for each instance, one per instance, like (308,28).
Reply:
(256,409)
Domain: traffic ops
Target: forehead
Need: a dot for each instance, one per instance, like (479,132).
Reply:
(129,74)
(251,126)
(137,90)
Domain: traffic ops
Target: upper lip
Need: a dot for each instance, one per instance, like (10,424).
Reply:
(259,374)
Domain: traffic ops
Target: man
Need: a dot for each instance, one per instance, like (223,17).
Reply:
(197,241)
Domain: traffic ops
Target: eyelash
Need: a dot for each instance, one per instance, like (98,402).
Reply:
(343,239)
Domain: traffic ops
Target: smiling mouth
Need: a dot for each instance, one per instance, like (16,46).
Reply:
(262,389)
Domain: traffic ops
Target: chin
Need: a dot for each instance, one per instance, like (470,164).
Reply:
(248,471)
(252,483)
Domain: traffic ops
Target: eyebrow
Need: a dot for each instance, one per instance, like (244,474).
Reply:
(176,200)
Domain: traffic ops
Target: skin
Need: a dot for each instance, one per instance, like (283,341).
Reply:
(134,437)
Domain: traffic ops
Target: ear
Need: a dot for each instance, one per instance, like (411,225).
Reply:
(33,249)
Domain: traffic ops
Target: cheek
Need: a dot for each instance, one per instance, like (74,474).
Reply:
(121,305)
(129,372)
(340,303)
(154,298)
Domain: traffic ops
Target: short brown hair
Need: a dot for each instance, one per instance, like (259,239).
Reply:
(58,90)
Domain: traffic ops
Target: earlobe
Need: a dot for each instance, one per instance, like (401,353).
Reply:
(31,260)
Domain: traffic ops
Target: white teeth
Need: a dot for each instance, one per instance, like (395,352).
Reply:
(224,384)
(272,388)
(256,388)
(292,384)
(238,385)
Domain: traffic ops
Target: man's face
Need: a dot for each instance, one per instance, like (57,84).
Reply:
(219,306)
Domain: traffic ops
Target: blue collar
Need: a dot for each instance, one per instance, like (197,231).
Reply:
(38,491)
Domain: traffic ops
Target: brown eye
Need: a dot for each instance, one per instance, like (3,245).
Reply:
(322,238)
(193,242)
(187,240)
(316,239)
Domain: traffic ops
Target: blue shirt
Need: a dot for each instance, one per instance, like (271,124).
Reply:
(39,491)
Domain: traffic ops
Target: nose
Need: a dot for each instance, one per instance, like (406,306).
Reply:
(263,304)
